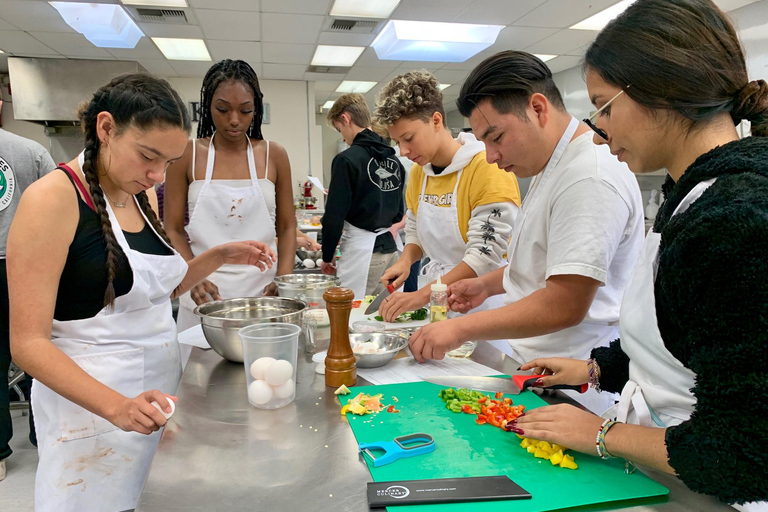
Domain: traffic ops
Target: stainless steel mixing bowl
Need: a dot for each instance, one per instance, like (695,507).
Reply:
(306,287)
(391,343)
(222,319)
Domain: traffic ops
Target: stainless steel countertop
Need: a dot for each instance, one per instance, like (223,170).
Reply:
(219,453)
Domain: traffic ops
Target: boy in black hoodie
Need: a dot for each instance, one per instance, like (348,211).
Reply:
(365,198)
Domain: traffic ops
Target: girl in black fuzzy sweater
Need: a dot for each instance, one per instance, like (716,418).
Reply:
(670,79)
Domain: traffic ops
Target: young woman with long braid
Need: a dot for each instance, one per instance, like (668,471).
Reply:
(91,274)
(236,185)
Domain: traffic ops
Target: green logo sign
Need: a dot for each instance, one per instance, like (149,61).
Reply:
(7,184)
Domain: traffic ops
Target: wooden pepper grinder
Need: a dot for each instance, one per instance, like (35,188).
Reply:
(340,367)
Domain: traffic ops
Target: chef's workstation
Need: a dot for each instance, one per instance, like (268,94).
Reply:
(414,254)
(365,425)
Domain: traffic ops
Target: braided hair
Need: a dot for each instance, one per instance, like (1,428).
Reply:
(224,71)
(138,100)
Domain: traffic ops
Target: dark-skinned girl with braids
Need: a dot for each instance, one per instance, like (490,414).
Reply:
(236,185)
(91,275)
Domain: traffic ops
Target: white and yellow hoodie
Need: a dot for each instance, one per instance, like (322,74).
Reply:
(484,191)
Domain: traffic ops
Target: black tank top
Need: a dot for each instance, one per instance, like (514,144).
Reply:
(83,280)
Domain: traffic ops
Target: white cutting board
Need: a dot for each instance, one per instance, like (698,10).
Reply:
(358,314)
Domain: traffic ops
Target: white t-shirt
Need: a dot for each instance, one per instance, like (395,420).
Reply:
(584,218)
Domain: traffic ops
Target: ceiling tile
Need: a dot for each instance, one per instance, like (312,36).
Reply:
(71,45)
(242,50)
(160,67)
(290,28)
(190,67)
(563,13)
(517,38)
(145,49)
(283,71)
(369,59)
(229,25)
(429,10)
(22,44)
(33,15)
(563,62)
(451,76)
(367,74)
(340,39)
(296,6)
(231,5)
(168,30)
(286,53)
(429,66)
(495,12)
(326,85)
(4,25)
(311,77)
(565,42)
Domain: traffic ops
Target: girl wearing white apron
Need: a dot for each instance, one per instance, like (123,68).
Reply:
(226,210)
(464,228)
(223,203)
(691,358)
(98,369)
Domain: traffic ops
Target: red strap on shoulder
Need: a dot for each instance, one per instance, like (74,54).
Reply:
(79,184)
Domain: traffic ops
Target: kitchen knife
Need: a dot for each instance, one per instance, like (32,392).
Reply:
(374,307)
(497,384)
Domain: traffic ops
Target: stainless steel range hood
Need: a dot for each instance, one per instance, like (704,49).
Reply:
(49,91)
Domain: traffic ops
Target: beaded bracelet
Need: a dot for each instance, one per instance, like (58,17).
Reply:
(602,452)
(594,374)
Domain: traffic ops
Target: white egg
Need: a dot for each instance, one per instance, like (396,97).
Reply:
(309,263)
(319,262)
(279,372)
(259,392)
(259,367)
(285,390)
(166,414)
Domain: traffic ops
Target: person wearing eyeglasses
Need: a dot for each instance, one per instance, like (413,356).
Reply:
(671,82)
(576,239)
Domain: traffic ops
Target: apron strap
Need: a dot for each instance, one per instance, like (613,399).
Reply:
(211,160)
(194,157)
(252,163)
(266,162)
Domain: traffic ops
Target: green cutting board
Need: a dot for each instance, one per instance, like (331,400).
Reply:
(464,448)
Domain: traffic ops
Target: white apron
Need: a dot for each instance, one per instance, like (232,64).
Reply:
(658,391)
(441,240)
(225,214)
(87,463)
(356,248)
(577,341)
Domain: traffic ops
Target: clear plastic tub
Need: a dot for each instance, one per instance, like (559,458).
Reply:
(270,353)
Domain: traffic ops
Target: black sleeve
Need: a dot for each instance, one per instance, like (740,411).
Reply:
(401,205)
(337,205)
(712,304)
(614,366)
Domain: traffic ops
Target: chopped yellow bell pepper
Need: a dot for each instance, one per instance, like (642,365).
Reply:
(556,458)
(541,454)
(543,445)
(568,462)
(531,449)
(344,409)
(526,443)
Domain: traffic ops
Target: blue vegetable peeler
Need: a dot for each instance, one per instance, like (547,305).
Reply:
(399,448)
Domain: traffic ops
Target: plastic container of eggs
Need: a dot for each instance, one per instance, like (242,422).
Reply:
(270,351)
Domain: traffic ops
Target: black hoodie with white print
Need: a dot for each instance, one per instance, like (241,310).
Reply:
(366,190)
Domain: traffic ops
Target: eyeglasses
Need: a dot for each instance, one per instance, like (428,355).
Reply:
(590,122)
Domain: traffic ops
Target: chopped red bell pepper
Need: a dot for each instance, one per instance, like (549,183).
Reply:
(391,408)
(482,400)
(467,409)
(498,395)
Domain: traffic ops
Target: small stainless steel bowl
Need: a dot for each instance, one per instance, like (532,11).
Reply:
(222,319)
(392,343)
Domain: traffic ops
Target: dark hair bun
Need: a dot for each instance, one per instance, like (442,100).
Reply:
(751,103)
